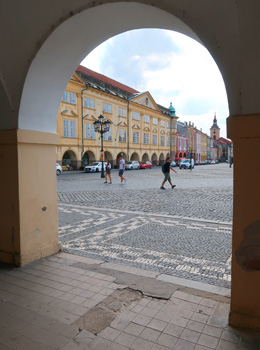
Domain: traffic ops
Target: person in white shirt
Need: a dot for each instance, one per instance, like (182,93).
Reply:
(121,169)
(108,172)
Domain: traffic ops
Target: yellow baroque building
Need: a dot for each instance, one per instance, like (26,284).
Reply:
(140,129)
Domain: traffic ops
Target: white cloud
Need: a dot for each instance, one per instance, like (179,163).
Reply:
(172,67)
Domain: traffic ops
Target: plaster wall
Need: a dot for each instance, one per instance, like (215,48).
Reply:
(29,196)
(245,302)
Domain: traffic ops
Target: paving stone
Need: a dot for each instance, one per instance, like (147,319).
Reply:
(142,344)
(125,339)
(150,334)
(184,345)
(167,340)
(208,341)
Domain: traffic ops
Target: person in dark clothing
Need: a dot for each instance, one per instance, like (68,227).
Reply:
(166,168)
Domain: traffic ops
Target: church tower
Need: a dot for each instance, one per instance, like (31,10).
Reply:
(215,130)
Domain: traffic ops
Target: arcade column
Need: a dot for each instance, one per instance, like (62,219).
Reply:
(28,202)
(244,131)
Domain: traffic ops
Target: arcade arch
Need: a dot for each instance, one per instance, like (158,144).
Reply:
(89,157)
(108,156)
(134,156)
(161,159)
(145,157)
(69,158)
(50,69)
(154,159)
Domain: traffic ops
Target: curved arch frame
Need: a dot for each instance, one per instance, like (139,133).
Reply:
(57,67)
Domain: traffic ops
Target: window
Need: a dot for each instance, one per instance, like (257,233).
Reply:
(155,140)
(162,123)
(72,128)
(66,132)
(146,118)
(69,97)
(168,125)
(155,121)
(136,137)
(162,140)
(122,135)
(122,112)
(89,131)
(69,128)
(108,135)
(107,108)
(89,103)
(136,115)
(146,138)
(169,139)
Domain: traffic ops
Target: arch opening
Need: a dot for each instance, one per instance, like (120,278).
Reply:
(52,68)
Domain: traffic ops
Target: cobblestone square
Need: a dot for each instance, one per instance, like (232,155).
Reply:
(185,232)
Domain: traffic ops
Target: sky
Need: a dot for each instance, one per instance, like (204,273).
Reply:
(172,67)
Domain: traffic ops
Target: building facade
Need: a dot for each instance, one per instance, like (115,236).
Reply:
(140,129)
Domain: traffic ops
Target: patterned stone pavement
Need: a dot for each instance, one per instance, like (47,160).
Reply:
(186,248)
(185,232)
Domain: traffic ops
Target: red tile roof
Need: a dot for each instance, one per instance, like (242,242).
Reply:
(106,79)
(223,140)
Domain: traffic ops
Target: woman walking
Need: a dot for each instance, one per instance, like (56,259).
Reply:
(108,172)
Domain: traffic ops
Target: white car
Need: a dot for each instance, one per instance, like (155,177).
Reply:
(187,163)
(58,169)
(132,165)
(95,167)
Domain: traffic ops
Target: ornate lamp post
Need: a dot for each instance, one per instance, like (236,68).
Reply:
(101,126)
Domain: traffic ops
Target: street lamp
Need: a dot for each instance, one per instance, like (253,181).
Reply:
(101,126)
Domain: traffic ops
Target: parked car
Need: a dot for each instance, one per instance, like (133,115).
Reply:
(213,162)
(187,163)
(178,161)
(145,165)
(132,165)
(58,169)
(94,167)
(173,164)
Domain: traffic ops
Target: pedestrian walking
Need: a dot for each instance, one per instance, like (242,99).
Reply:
(166,170)
(108,172)
(121,170)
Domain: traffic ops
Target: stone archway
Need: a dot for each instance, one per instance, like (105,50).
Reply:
(89,157)
(70,159)
(145,157)
(108,156)
(161,159)
(42,73)
(134,156)
(154,159)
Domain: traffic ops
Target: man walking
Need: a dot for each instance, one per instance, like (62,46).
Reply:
(166,171)
(121,169)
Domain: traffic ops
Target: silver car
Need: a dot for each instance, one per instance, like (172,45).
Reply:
(94,167)
(132,165)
